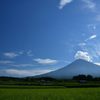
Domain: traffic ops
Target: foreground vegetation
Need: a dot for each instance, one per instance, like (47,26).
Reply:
(50,94)
(30,82)
(50,89)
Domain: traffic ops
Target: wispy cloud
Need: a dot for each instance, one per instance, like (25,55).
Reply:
(10,54)
(22,73)
(21,52)
(18,53)
(64,3)
(23,65)
(91,27)
(97,17)
(5,62)
(90,4)
(14,64)
(45,61)
(82,44)
(91,37)
(29,53)
(83,55)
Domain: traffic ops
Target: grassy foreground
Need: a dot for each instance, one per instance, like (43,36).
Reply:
(50,94)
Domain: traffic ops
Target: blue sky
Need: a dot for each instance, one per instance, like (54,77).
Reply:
(38,36)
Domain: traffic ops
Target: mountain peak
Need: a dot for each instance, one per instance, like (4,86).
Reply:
(82,63)
(78,67)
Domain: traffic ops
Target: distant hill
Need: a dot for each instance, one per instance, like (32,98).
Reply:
(78,67)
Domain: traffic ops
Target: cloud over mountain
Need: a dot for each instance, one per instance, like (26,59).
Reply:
(83,55)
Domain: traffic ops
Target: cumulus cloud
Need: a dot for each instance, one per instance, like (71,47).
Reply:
(64,3)
(45,61)
(11,54)
(22,73)
(90,4)
(83,55)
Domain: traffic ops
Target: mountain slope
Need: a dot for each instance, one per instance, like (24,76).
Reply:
(75,68)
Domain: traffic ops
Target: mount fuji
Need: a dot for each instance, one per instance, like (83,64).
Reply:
(78,67)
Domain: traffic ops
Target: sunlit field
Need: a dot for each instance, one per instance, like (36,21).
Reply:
(50,94)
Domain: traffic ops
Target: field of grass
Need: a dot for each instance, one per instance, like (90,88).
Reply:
(50,94)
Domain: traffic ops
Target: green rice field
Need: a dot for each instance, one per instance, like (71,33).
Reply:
(50,94)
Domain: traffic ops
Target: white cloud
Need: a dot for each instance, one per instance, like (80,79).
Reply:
(90,4)
(11,54)
(22,73)
(97,64)
(64,3)
(6,62)
(83,55)
(91,37)
(45,61)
